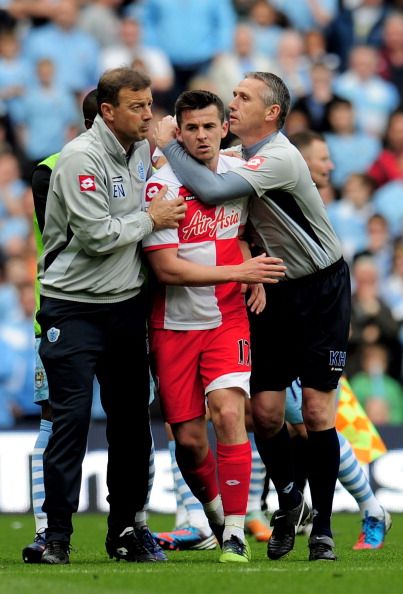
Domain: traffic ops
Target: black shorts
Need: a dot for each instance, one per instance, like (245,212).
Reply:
(303,331)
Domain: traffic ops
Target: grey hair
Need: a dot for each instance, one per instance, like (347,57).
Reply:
(276,92)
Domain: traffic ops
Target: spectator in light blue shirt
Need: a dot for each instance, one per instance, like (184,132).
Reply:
(262,18)
(306,15)
(388,201)
(373,98)
(48,116)
(351,151)
(349,215)
(74,52)
(191,33)
(17,361)
(15,73)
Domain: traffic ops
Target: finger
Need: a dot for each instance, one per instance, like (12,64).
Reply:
(161,193)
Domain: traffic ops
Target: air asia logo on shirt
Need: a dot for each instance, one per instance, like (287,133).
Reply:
(87,183)
(200,224)
(151,190)
(254,163)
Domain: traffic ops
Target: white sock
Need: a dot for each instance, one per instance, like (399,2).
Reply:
(214,511)
(234,526)
(141,518)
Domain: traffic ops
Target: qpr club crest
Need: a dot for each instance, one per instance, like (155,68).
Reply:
(141,171)
(53,334)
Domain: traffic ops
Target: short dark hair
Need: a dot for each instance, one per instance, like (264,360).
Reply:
(90,108)
(305,138)
(276,93)
(197,100)
(338,102)
(112,81)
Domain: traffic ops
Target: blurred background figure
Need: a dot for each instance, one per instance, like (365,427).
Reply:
(292,65)
(48,117)
(100,20)
(190,33)
(315,103)
(307,15)
(373,98)
(372,321)
(15,76)
(15,226)
(392,287)
(380,394)
(391,56)
(267,25)
(230,67)
(388,166)
(358,22)
(351,150)
(379,245)
(74,53)
(349,215)
(130,50)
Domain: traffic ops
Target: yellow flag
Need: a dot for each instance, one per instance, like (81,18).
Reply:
(353,422)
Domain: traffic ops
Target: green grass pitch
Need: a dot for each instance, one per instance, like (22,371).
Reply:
(198,572)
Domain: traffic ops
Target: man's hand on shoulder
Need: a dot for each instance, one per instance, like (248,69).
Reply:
(166,213)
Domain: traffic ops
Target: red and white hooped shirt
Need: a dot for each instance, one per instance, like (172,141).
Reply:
(207,235)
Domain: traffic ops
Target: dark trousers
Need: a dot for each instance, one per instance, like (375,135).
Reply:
(80,340)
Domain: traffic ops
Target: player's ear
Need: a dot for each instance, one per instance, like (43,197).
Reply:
(178,134)
(224,129)
(107,112)
(272,112)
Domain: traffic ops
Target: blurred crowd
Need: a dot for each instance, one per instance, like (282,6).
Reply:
(343,63)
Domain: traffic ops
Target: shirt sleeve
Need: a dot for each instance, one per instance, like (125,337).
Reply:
(163,238)
(210,187)
(272,172)
(87,208)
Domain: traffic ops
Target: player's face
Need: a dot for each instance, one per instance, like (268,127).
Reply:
(201,132)
(320,165)
(247,109)
(130,119)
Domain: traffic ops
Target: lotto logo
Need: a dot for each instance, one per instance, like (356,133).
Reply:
(152,190)
(87,183)
(254,163)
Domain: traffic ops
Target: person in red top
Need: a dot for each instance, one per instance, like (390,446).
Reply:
(389,164)
(199,331)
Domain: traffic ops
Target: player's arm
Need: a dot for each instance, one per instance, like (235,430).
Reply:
(209,187)
(88,208)
(172,270)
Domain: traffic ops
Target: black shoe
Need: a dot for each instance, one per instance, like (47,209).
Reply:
(218,531)
(285,524)
(127,546)
(321,548)
(148,541)
(32,553)
(56,553)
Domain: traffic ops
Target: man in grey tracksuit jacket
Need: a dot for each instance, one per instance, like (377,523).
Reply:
(92,311)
